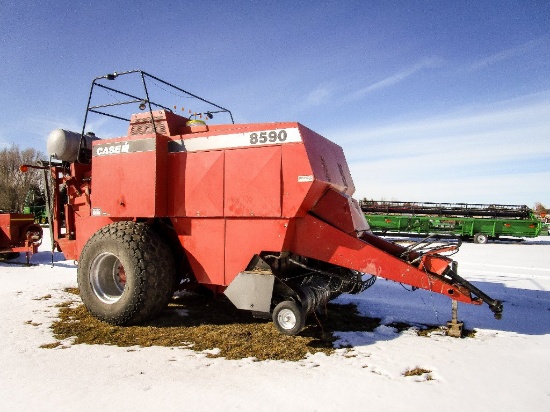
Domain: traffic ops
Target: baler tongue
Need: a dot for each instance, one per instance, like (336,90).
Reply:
(431,248)
(420,265)
(495,305)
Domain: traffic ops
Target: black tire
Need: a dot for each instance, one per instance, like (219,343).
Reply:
(289,318)
(481,238)
(126,274)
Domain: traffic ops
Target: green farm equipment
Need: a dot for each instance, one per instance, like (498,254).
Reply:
(35,203)
(39,212)
(477,222)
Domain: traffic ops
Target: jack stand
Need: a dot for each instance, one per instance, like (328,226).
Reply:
(454,326)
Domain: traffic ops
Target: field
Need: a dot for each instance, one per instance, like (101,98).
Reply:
(503,364)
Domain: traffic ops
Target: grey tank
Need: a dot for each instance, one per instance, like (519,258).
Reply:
(65,145)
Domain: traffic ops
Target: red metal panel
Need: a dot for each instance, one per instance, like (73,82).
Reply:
(86,227)
(4,237)
(341,211)
(12,228)
(197,182)
(166,123)
(300,191)
(130,184)
(177,164)
(253,182)
(5,230)
(247,237)
(203,241)
(327,161)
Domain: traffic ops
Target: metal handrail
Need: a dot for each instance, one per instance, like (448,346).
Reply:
(136,99)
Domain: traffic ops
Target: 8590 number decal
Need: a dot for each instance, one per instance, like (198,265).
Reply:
(268,136)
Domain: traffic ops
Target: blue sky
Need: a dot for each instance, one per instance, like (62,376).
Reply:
(431,100)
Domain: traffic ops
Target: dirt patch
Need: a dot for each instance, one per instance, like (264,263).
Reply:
(205,323)
(416,372)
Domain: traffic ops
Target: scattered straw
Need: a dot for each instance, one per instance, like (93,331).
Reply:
(417,372)
(204,323)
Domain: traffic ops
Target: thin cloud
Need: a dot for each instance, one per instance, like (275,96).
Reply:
(318,96)
(396,78)
(508,53)
(323,93)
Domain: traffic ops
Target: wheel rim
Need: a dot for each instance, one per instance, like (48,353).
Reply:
(107,278)
(286,319)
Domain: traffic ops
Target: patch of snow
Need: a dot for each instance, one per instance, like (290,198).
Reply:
(505,366)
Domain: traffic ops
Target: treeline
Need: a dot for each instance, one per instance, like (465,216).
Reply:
(15,186)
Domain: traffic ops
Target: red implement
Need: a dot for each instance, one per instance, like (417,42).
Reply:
(19,234)
(262,212)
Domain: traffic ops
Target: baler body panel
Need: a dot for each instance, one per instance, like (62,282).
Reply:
(258,180)
(237,166)
(238,194)
(219,249)
(230,191)
(204,243)
(248,237)
(198,184)
(341,211)
(129,176)
(327,161)
(253,182)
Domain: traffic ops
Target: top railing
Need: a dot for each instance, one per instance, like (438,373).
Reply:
(118,97)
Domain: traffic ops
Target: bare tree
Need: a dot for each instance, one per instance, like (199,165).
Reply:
(539,208)
(14,184)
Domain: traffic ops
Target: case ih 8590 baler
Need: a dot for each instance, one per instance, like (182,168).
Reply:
(260,212)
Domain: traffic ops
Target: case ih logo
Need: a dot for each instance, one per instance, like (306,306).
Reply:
(114,149)
(132,146)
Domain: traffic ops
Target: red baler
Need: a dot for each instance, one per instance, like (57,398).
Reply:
(261,212)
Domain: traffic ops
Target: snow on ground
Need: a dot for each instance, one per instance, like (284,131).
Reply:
(504,367)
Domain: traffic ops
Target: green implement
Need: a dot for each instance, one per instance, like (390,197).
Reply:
(477,222)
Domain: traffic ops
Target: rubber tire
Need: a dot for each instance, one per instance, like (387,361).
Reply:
(148,266)
(481,238)
(298,313)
